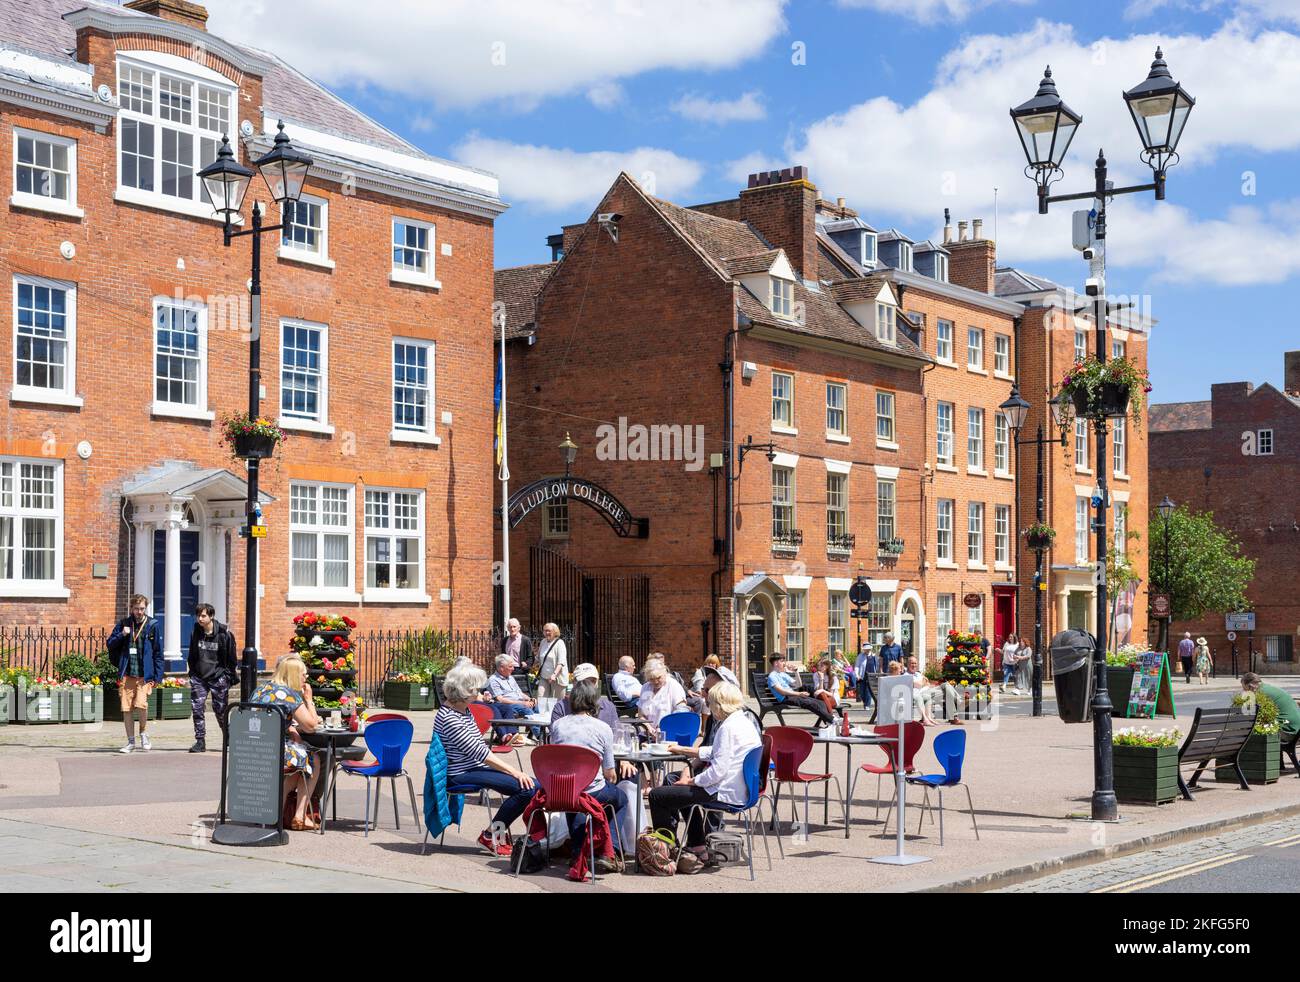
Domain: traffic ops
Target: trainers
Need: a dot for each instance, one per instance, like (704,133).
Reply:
(495,848)
(199,747)
(128,748)
(144,743)
(607,864)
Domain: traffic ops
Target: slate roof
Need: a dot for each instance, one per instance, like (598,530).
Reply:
(518,288)
(1008,281)
(1171,417)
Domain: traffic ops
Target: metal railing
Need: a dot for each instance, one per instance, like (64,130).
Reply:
(38,647)
(787,538)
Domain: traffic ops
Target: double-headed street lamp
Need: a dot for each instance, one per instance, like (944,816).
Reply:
(1046,126)
(226,182)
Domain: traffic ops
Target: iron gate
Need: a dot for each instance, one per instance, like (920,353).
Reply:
(607,616)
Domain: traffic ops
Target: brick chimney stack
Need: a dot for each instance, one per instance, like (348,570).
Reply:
(973,260)
(1291,380)
(179,11)
(782,206)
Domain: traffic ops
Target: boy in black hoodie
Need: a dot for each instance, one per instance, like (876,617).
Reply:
(212,669)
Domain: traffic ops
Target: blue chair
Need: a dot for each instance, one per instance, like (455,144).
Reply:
(950,749)
(755,769)
(680,728)
(388,740)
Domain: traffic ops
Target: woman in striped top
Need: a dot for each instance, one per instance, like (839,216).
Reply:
(471,766)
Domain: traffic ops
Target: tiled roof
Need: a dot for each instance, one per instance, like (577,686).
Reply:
(747,265)
(1011,282)
(1170,417)
(517,288)
(833,262)
(719,238)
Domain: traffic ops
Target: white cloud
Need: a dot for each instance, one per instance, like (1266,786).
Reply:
(955,144)
(738,171)
(605,95)
(702,109)
(460,53)
(558,179)
(930,11)
(1278,11)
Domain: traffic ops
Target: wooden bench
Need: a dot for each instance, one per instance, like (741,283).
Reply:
(1216,734)
(767,703)
(979,697)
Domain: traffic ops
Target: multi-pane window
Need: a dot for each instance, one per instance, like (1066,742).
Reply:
(1264,443)
(886,494)
(44,321)
(837,504)
(1080,444)
(905,257)
(557,519)
(1001,443)
(836,399)
(782,296)
(1120,543)
(975,617)
(943,433)
(836,620)
(975,532)
(320,536)
(1080,345)
(943,340)
(45,166)
(1002,354)
(1002,535)
(394,540)
(179,350)
(885,416)
(796,622)
(782,500)
(782,399)
(945,604)
(413,248)
(1119,446)
(881,619)
(30,524)
(941,268)
(302,372)
(171,128)
(885,323)
(412,385)
(975,348)
(1081,530)
(975,439)
(1118,348)
(943,530)
(305,227)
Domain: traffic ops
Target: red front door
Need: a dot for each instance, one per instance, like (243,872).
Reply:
(1004,620)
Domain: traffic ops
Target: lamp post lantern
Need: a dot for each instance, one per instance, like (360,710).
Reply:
(225,182)
(570,451)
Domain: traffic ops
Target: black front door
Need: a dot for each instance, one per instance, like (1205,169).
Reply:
(756,644)
(905,629)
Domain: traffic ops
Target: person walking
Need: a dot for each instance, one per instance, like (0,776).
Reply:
(212,670)
(1186,652)
(137,653)
(553,664)
(1204,663)
(517,645)
(1010,663)
(867,664)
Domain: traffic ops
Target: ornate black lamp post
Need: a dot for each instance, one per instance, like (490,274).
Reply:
(226,182)
(1166,510)
(1046,126)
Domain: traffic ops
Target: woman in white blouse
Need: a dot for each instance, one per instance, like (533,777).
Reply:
(661,695)
(553,661)
(734,736)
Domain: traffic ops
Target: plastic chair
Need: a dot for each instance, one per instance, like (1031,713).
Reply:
(563,771)
(680,728)
(483,716)
(388,740)
(913,737)
(353,754)
(755,770)
(950,749)
(790,748)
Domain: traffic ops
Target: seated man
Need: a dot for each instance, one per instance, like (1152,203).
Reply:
(507,699)
(1288,714)
(786,690)
(925,693)
(626,685)
(586,674)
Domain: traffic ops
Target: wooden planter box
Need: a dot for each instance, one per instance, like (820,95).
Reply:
(41,705)
(113,703)
(6,704)
(85,705)
(173,703)
(1119,683)
(1261,761)
(408,695)
(1146,775)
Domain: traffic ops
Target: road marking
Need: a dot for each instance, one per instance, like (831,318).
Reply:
(1177,876)
(1173,873)
(1289,840)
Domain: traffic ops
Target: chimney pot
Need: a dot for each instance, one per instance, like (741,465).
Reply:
(753,180)
(961,231)
(839,203)
(800,173)
(977,229)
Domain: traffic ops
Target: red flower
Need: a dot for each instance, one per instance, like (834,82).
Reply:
(349,621)
(345,644)
(298,619)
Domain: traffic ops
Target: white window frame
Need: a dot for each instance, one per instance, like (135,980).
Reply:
(779,425)
(159,64)
(11,508)
(943,523)
(403,434)
(868,246)
(943,450)
(40,202)
(780,296)
(1120,533)
(975,617)
(975,350)
(787,502)
(67,395)
(1081,446)
(555,520)
(1001,445)
(414,594)
(837,620)
(1261,440)
(886,413)
(942,340)
(842,410)
(1118,349)
(400,273)
(796,627)
(319,528)
(941,267)
(1002,356)
(1080,345)
(1001,537)
(880,619)
(886,510)
(321,423)
(837,504)
(975,440)
(300,254)
(905,257)
(1119,447)
(945,608)
(887,323)
(974,534)
(180,410)
(1081,505)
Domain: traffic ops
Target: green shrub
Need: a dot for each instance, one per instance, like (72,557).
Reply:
(428,652)
(80,667)
(1266,718)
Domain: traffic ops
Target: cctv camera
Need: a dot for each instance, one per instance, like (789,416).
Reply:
(1089,253)
(1092,286)
(606,217)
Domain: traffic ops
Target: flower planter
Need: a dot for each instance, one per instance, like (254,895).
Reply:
(1119,683)
(42,704)
(173,702)
(85,705)
(1113,399)
(253,446)
(1261,761)
(1039,543)
(6,704)
(408,695)
(1145,775)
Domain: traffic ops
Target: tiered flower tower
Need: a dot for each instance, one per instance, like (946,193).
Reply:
(964,664)
(323,641)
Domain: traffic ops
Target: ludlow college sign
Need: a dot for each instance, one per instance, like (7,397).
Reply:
(589,493)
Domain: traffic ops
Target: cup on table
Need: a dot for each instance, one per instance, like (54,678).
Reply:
(336,719)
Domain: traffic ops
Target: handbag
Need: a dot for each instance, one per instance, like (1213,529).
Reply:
(534,855)
(655,852)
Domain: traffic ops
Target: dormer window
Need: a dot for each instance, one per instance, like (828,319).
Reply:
(782,298)
(905,257)
(885,325)
(941,268)
(868,247)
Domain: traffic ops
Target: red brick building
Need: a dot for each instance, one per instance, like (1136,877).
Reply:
(128,340)
(1238,456)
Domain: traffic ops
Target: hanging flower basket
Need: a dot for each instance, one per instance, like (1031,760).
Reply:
(1099,391)
(249,438)
(1039,536)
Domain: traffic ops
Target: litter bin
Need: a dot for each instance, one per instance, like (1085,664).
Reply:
(1072,674)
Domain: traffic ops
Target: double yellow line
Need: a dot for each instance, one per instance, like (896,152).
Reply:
(1175,873)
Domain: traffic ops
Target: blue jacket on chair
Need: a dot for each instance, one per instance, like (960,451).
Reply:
(440,809)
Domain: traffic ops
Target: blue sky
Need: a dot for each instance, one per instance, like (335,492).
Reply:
(900,106)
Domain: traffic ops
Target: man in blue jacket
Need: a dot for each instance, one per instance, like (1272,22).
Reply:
(137,652)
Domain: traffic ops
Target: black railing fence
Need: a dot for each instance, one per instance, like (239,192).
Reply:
(37,648)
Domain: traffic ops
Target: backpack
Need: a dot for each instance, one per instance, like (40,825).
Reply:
(656,853)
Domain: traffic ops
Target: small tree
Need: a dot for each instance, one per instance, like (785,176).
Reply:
(1207,571)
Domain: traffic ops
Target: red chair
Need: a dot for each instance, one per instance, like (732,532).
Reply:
(483,716)
(790,748)
(913,738)
(563,771)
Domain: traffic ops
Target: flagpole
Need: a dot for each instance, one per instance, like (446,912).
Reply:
(504,475)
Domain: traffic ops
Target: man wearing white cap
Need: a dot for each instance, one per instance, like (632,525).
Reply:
(587,674)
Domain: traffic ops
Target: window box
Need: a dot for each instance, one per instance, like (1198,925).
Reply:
(788,540)
(1260,760)
(42,704)
(841,543)
(409,695)
(1145,775)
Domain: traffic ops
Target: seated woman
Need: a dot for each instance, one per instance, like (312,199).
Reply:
(723,780)
(582,727)
(661,694)
(471,766)
(697,680)
(826,686)
(288,689)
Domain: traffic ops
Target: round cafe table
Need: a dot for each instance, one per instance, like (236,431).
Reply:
(543,723)
(848,743)
(650,760)
(330,740)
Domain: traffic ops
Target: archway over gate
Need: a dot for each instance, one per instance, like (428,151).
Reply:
(524,501)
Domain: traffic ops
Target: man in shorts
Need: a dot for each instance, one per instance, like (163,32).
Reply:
(137,652)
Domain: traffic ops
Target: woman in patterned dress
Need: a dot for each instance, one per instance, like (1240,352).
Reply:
(289,690)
